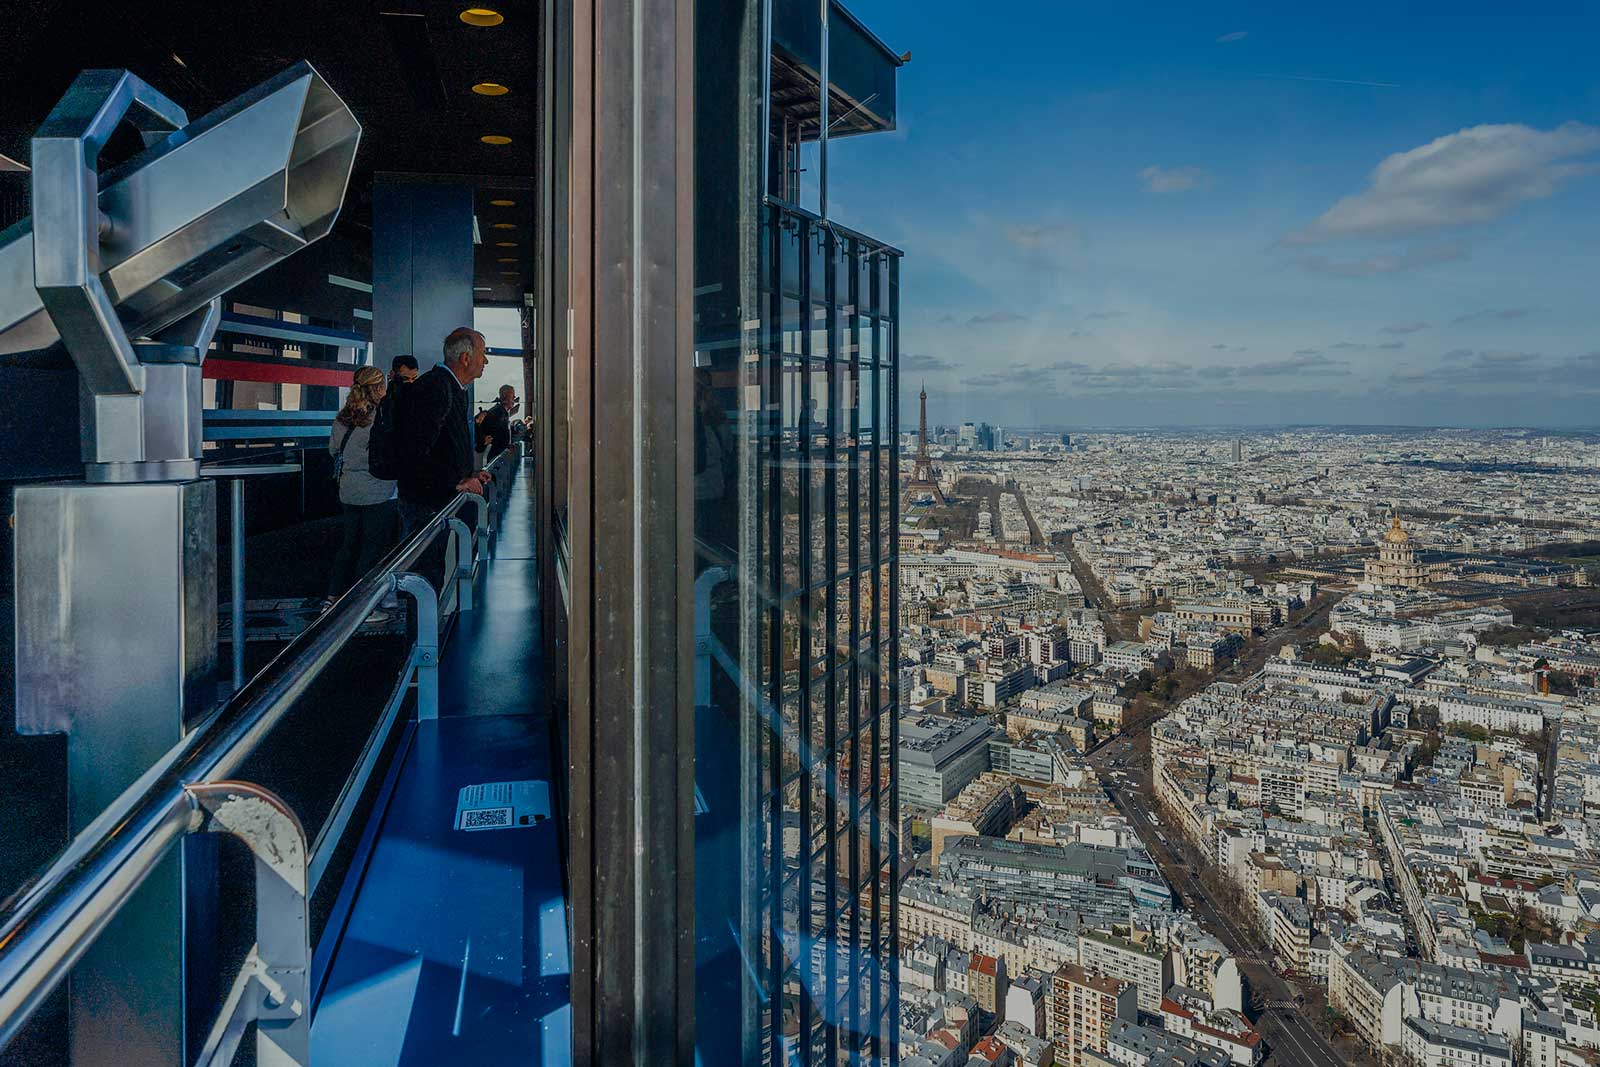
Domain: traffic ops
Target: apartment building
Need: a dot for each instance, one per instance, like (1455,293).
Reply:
(1433,1044)
(1191,1015)
(1146,966)
(1083,1008)
(987,806)
(939,755)
(986,982)
(1000,681)
(1491,713)
(932,909)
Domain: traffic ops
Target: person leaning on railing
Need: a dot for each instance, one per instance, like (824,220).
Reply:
(371,520)
(494,424)
(436,434)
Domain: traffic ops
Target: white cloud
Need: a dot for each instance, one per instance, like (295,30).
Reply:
(1044,235)
(1386,263)
(1472,176)
(1173,179)
(996,318)
(1305,361)
(1405,327)
(1229,38)
(1503,314)
(920,361)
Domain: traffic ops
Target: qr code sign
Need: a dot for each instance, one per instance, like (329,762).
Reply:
(502,805)
(486,819)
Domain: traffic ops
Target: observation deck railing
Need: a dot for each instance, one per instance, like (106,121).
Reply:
(48,924)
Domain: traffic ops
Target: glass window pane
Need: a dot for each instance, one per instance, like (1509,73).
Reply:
(789,256)
(820,335)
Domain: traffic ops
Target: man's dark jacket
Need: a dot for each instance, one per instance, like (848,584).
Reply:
(496,426)
(436,435)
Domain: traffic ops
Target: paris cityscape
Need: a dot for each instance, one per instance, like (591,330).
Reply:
(1240,747)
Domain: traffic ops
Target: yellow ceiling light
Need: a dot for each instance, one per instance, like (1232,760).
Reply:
(507,259)
(482,16)
(494,138)
(505,244)
(490,89)
(505,225)
(502,203)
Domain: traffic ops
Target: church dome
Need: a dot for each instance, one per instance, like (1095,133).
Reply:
(1396,536)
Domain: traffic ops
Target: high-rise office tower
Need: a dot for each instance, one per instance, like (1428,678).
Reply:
(1238,450)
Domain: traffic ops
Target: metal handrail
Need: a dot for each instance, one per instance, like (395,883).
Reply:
(47,925)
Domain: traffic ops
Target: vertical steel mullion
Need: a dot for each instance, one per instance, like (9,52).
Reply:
(765,132)
(893,413)
(853,479)
(822,113)
(803,546)
(830,558)
(580,557)
(632,544)
(773,416)
(875,893)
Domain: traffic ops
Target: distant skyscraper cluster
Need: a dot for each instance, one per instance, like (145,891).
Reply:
(980,437)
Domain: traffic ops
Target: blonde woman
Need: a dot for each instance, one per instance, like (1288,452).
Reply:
(371,518)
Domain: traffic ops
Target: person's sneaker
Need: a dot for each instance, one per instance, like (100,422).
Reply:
(379,617)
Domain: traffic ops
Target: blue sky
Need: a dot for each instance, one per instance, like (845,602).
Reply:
(1170,214)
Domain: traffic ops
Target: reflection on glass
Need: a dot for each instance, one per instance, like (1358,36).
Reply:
(792,521)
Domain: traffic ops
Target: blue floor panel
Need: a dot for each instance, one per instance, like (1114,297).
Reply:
(456,949)
(492,665)
(455,952)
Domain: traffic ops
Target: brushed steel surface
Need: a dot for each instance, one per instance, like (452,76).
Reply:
(116,646)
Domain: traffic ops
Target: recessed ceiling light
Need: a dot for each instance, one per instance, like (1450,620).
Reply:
(494,138)
(490,89)
(502,203)
(505,225)
(507,259)
(505,244)
(511,273)
(482,16)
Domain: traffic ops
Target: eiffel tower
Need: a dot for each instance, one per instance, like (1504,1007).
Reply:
(924,479)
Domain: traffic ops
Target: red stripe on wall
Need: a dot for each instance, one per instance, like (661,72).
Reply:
(238,370)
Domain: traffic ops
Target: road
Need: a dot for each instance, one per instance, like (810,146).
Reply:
(1290,1036)
(1035,535)
(1305,629)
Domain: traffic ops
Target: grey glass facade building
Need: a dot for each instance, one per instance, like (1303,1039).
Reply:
(827,552)
(723,535)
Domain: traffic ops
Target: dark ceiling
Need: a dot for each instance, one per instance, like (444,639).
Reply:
(405,67)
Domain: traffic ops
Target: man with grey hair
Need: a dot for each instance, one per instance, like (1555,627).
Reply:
(494,424)
(436,431)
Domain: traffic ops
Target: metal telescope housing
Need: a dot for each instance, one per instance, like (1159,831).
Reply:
(125,269)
